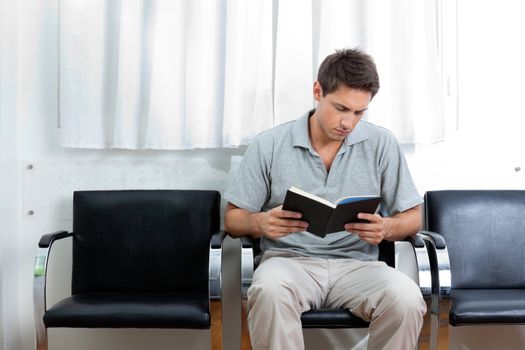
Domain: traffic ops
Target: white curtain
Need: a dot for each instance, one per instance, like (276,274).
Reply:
(190,74)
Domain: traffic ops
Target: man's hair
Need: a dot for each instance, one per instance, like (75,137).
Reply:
(350,67)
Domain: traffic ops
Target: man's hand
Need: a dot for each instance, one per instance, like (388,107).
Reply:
(373,232)
(393,228)
(277,223)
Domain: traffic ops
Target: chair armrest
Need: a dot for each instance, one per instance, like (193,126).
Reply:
(215,266)
(422,263)
(40,275)
(441,279)
(440,267)
(216,239)
(40,267)
(437,239)
(247,266)
(439,258)
(48,239)
(246,242)
(416,240)
(44,247)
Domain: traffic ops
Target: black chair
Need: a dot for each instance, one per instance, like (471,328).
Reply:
(330,318)
(141,259)
(478,256)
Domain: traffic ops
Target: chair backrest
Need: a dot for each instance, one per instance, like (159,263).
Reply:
(485,235)
(143,240)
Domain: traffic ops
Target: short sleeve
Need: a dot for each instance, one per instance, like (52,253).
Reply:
(397,187)
(249,186)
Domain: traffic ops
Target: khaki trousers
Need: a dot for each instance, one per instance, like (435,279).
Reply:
(284,287)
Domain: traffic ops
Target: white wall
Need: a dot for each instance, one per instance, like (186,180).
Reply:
(471,158)
(483,72)
(9,185)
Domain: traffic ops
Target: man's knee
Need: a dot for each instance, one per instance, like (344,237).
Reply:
(399,317)
(271,284)
(406,301)
(270,290)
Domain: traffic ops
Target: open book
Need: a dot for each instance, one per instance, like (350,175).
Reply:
(325,217)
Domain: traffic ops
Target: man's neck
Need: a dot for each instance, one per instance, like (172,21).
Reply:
(321,143)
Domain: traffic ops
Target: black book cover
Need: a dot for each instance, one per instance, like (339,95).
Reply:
(325,217)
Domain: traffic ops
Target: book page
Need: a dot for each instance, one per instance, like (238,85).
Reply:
(312,196)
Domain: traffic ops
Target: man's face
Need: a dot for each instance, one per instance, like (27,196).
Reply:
(339,111)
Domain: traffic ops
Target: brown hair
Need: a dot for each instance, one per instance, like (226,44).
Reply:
(350,67)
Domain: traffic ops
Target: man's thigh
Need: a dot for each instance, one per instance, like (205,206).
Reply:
(361,285)
(302,279)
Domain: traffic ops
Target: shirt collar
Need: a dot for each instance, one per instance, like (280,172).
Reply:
(300,130)
(300,136)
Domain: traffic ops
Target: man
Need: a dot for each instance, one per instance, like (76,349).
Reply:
(329,152)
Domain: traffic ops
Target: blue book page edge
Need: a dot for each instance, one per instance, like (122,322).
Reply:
(353,199)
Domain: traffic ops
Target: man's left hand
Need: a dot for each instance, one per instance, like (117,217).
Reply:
(373,231)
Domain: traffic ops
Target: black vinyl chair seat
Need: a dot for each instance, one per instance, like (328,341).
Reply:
(487,306)
(133,310)
(331,318)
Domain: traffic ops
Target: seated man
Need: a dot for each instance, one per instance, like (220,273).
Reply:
(331,153)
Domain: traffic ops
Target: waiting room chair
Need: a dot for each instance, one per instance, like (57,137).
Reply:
(329,318)
(479,256)
(141,259)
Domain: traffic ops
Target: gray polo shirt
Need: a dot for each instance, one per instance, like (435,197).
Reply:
(370,162)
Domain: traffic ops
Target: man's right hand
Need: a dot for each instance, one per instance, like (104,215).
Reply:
(277,223)
(274,224)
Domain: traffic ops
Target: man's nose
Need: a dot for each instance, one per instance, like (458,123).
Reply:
(347,122)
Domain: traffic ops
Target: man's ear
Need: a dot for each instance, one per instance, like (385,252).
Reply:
(318,91)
